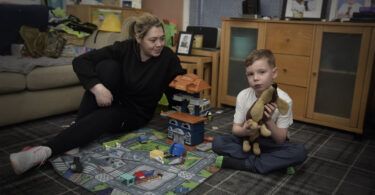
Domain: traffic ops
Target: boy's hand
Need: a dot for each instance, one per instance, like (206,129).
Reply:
(248,130)
(269,109)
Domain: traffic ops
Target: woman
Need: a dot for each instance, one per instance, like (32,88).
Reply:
(123,83)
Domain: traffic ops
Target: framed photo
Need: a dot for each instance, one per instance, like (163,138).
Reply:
(127,4)
(344,9)
(304,9)
(184,44)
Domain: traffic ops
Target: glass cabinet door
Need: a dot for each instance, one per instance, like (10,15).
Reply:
(240,38)
(337,75)
(242,42)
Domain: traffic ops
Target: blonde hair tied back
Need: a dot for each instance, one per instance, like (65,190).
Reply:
(141,25)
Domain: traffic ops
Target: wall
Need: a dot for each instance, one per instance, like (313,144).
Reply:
(210,12)
(166,9)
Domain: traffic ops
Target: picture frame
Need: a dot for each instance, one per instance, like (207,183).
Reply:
(338,7)
(304,9)
(184,44)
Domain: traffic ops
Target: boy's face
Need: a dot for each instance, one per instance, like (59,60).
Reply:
(260,75)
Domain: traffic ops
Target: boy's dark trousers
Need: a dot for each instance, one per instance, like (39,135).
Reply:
(273,156)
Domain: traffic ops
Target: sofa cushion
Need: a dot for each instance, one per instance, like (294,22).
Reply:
(12,82)
(51,77)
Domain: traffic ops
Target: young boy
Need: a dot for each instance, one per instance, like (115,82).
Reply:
(276,151)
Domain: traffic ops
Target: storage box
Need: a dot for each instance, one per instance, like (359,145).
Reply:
(72,39)
(74,51)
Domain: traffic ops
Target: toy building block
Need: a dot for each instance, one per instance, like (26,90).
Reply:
(209,139)
(113,143)
(177,149)
(184,127)
(183,100)
(76,166)
(196,101)
(159,159)
(139,175)
(204,147)
(158,155)
(200,108)
(176,161)
(142,138)
(190,83)
(127,179)
(145,176)
(100,168)
(209,115)
(178,97)
(179,190)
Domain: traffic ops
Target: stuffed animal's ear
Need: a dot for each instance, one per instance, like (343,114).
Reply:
(257,111)
(267,95)
(282,105)
(258,107)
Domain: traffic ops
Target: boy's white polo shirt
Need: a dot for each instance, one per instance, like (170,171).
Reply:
(246,99)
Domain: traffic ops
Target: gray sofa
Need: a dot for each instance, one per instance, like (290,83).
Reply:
(45,91)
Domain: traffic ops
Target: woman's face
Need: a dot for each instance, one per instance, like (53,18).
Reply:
(152,43)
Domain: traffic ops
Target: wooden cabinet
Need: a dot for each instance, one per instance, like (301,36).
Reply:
(324,66)
(338,85)
(84,12)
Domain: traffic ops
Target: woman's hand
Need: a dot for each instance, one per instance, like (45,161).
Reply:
(102,95)
(269,109)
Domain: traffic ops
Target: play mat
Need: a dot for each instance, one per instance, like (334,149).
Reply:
(122,165)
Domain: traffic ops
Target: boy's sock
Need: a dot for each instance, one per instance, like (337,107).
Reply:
(290,170)
(219,161)
(233,163)
(29,157)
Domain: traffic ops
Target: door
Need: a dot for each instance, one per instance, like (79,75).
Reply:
(338,74)
(238,40)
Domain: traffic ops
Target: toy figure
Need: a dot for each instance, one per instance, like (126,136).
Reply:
(76,166)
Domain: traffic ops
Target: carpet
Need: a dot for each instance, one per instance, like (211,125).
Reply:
(122,165)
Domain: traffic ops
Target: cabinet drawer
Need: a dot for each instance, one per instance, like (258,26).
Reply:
(289,39)
(298,95)
(293,70)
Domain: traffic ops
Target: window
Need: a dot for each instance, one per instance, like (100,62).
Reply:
(188,138)
(185,126)
(170,133)
(173,121)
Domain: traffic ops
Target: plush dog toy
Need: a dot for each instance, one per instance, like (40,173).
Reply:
(256,117)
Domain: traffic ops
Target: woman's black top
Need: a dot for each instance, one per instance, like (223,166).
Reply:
(143,83)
